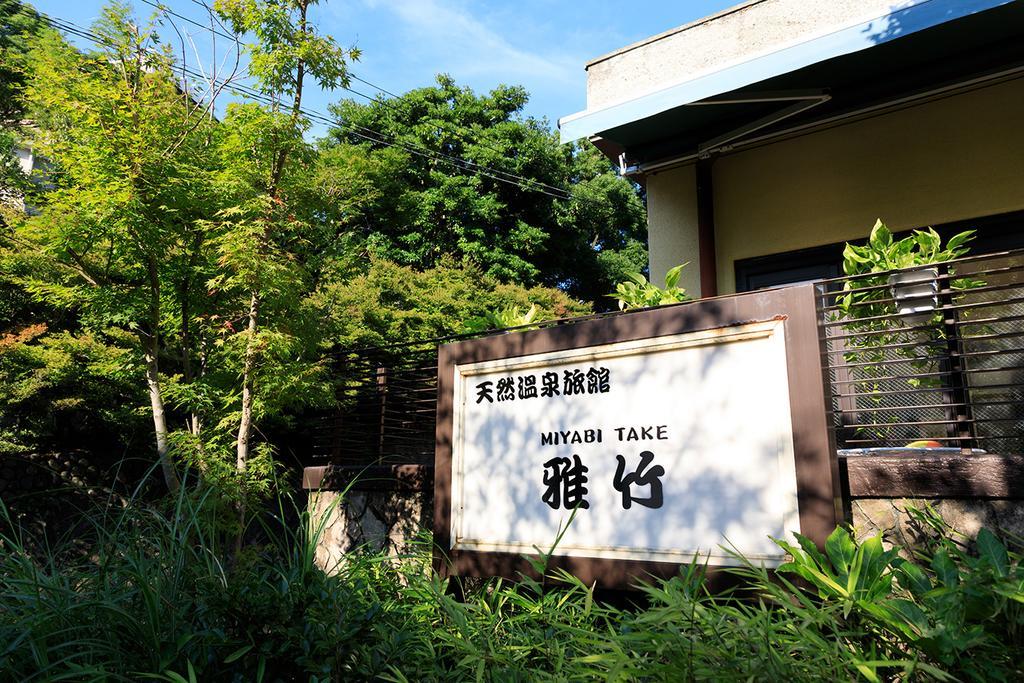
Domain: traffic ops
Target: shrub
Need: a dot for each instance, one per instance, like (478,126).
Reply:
(158,595)
(637,292)
(391,303)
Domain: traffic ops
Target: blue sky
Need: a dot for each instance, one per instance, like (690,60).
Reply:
(540,44)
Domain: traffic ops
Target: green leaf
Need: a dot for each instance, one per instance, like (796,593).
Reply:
(913,578)
(237,654)
(811,549)
(945,569)
(927,241)
(840,548)
(880,236)
(852,253)
(993,551)
(958,240)
(672,277)
(911,613)
(867,670)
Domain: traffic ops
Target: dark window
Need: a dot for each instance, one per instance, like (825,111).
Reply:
(995,233)
(789,268)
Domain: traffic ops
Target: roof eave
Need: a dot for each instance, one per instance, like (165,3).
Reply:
(861,36)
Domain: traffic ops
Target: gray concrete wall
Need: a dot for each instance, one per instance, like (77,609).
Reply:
(735,35)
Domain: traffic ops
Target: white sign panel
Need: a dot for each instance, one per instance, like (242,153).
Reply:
(666,448)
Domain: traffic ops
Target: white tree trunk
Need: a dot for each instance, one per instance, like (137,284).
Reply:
(245,422)
(159,417)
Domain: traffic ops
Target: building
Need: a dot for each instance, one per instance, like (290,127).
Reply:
(770,133)
(12,198)
(767,136)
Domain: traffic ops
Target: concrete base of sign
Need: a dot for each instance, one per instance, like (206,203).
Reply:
(388,519)
(889,517)
(391,521)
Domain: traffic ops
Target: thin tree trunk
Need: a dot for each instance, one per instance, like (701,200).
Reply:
(194,422)
(159,418)
(245,422)
(151,342)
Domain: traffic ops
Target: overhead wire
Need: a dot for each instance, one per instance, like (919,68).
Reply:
(360,132)
(371,98)
(202,4)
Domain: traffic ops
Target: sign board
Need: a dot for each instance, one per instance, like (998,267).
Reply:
(659,448)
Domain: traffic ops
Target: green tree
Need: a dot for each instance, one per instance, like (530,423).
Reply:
(531,232)
(117,233)
(268,234)
(61,390)
(391,303)
(19,23)
(19,26)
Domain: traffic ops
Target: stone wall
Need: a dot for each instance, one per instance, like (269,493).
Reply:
(968,491)
(889,517)
(379,509)
(47,489)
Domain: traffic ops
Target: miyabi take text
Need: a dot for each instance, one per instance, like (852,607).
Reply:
(573,436)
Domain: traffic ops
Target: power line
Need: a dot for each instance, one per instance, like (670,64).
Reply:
(386,103)
(391,105)
(351,75)
(160,7)
(361,132)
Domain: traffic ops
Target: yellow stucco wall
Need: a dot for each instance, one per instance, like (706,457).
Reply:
(672,226)
(956,158)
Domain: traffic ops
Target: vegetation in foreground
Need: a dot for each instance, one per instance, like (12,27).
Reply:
(158,593)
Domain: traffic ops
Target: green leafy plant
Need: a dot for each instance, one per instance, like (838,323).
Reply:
(959,613)
(637,292)
(875,334)
(156,592)
(881,253)
(510,316)
(873,261)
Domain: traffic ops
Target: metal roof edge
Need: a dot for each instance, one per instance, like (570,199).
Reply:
(847,40)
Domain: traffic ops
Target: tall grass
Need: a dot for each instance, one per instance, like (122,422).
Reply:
(161,595)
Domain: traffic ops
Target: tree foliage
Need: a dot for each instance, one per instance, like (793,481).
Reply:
(265,151)
(391,303)
(65,390)
(19,23)
(442,155)
(116,234)
(198,273)
(19,26)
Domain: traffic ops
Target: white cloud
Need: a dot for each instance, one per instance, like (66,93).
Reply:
(456,41)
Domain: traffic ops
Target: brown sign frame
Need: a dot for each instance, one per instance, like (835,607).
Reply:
(817,468)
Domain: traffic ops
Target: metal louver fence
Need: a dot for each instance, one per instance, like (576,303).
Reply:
(928,353)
